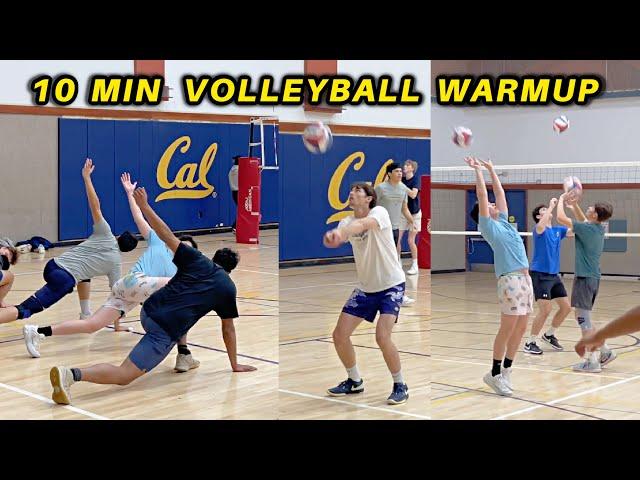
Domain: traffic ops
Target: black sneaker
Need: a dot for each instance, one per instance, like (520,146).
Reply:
(399,395)
(347,388)
(552,340)
(532,348)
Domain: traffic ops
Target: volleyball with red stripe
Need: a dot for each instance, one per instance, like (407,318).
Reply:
(462,137)
(560,124)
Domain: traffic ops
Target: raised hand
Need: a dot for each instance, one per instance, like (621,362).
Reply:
(88,168)
(126,183)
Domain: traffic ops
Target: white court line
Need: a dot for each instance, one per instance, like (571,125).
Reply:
(360,405)
(526,368)
(316,286)
(47,400)
(568,397)
(256,271)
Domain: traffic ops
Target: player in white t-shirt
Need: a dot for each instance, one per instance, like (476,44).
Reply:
(381,288)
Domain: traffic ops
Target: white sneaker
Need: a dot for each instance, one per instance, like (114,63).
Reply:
(406,301)
(32,340)
(506,376)
(608,357)
(413,270)
(61,380)
(41,249)
(184,363)
(498,384)
(26,248)
(587,366)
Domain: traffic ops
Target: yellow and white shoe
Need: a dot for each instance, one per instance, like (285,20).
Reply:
(61,381)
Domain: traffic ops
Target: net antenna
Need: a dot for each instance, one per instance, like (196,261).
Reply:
(258,123)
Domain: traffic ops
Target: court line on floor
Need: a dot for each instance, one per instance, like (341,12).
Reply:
(525,400)
(568,397)
(527,368)
(191,344)
(51,402)
(255,271)
(359,405)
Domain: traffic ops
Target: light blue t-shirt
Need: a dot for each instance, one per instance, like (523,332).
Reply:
(546,249)
(508,249)
(157,259)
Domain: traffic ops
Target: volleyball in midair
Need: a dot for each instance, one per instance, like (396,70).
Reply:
(573,187)
(462,137)
(560,124)
(317,138)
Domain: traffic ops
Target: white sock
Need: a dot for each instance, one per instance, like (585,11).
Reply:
(414,264)
(551,331)
(595,356)
(533,338)
(397,377)
(84,307)
(354,373)
(605,348)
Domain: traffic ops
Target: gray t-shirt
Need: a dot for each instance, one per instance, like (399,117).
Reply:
(97,255)
(392,197)
(6,242)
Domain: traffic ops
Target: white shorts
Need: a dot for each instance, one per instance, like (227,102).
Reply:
(132,290)
(515,294)
(417,221)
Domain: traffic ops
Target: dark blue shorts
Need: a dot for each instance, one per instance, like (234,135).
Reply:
(153,348)
(367,305)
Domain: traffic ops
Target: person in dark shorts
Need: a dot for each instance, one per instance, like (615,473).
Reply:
(412,182)
(589,233)
(98,255)
(381,288)
(547,284)
(200,285)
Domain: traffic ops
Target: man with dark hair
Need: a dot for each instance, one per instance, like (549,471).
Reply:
(515,291)
(412,182)
(96,256)
(589,233)
(198,287)
(152,271)
(392,194)
(547,284)
(381,287)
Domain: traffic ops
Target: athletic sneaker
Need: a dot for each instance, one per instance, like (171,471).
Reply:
(406,301)
(184,363)
(347,388)
(608,357)
(552,340)
(532,348)
(32,340)
(506,377)
(26,248)
(399,395)
(61,380)
(587,366)
(498,384)
(413,270)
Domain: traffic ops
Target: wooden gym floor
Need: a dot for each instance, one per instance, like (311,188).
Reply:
(311,299)
(465,318)
(209,392)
